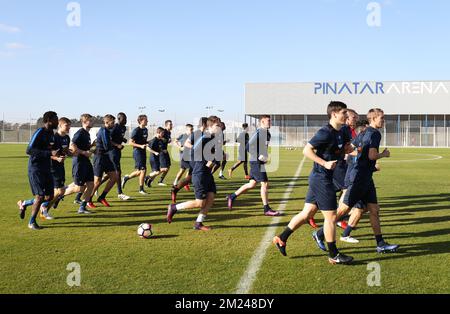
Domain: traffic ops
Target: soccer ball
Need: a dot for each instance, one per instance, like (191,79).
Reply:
(145,231)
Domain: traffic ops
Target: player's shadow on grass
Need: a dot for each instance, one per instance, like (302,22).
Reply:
(415,221)
(423,201)
(410,235)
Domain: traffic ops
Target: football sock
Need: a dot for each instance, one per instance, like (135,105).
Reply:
(332,249)
(347,231)
(267,208)
(78,197)
(379,239)
(286,234)
(45,204)
(103,196)
(201,218)
(180,206)
(233,196)
(141,188)
(163,176)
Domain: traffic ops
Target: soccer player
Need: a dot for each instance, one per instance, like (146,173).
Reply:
(102,159)
(155,147)
(362,187)
(40,149)
(164,157)
(259,154)
(222,164)
(202,157)
(82,170)
(184,153)
(117,139)
(62,145)
(242,139)
(327,146)
(139,141)
(202,126)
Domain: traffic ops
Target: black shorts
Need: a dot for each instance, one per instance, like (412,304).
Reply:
(203,184)
(140,159)
(115,155)
(41,182)
(185,164)
(361,193)
(258,172)
(321,192)
(82,173)
(164,160)
(155,163)
(59,178)
(102,164)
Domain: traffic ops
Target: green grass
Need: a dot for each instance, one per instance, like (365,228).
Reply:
(414,197)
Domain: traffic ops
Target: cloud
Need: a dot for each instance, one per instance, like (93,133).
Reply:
(9,29)
(15,46)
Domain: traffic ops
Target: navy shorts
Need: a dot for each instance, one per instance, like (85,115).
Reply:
(41,183)
(82,173)
(102,164)
(164,160)
(115,155)
(321,192)
(185,164)
(155,163)
(203,184)
(258,172)
(140,159)
(360,192)
(59,178)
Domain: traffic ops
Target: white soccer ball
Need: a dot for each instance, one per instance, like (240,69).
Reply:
(145,231)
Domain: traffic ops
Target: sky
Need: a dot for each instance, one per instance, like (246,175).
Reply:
(182,56)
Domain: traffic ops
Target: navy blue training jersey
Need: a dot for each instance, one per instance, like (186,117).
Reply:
(166,139)
(104,141)
(62,144)
(363,167)
(258,144)
(199,157)
(186,153)
(118,134)
(329,144)
(39,149)
(140,136)
(156,144)
(82,139)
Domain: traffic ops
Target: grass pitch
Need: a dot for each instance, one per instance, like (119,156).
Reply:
(413,189)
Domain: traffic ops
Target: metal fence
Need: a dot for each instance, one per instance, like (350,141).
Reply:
(291,136)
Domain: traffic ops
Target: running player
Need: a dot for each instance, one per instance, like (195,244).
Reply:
(62,144)
(187,158)
(139,141)
(327,146)
(361,186)
(40,149)
(118,139)
(155,147)
(202,158)
(82,170)
(259,154)
(184,153)
(102,159)
(242,139)
(164,157)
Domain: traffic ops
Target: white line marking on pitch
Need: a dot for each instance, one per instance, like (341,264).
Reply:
(433,157)
(246,282)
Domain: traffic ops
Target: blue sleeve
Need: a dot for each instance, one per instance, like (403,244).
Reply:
(134,134)
(322,137)
(375,140)
(34,149)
